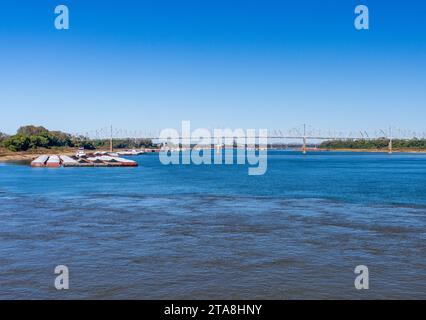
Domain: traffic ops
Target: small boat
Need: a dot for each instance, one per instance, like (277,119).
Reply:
(53,162)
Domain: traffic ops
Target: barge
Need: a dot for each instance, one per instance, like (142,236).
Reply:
(56,161)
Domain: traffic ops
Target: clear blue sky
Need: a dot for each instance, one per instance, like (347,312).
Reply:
(250,64)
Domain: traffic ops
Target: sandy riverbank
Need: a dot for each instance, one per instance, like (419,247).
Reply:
(7,155)
(29,155)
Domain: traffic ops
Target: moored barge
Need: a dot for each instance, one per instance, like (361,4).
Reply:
(55,161)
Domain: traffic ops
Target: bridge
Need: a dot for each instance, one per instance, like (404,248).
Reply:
(302,133)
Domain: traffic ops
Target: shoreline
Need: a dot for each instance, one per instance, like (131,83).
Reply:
(25,156)
(10,156)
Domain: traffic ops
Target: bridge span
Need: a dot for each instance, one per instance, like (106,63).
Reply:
(302,134)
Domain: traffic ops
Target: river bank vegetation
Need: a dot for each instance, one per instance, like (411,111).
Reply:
(33,137)
(374,144)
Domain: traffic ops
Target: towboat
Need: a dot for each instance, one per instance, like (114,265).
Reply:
(80,153)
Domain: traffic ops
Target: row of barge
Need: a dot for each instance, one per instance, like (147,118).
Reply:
(56,161)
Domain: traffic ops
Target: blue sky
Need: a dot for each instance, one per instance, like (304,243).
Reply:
(250,64)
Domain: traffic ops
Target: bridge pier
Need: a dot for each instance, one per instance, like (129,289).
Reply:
(218,146)
(304,139)
(304,145)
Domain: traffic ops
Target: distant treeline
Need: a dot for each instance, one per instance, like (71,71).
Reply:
(128,143)
(32,137)
(382,143)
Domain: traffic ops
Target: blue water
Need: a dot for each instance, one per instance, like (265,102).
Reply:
(214,231)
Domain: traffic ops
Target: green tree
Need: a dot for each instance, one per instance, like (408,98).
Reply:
(32,137)
(3,137)
(58,138)
(33,130)
(381,143)
(82,141)
(38,141)
(17,143)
